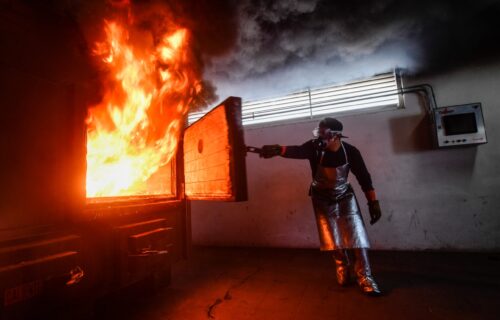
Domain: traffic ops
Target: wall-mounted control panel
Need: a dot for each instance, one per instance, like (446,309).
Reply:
(459,125)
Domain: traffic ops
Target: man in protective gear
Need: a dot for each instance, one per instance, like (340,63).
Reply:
(338,217)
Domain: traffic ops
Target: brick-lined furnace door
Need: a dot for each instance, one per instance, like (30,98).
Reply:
(214,155)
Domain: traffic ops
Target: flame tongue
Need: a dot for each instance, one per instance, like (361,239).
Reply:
(135,129)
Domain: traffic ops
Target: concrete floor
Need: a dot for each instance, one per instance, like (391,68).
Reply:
(275,284)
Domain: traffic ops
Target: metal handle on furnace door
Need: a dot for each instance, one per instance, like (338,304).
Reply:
(149,252)
(254,149)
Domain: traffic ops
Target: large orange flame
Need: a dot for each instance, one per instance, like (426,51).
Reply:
(135,129)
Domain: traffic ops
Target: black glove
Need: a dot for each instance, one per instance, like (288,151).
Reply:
(375,212)
(269,151)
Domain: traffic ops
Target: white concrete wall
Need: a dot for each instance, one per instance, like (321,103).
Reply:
(431,199)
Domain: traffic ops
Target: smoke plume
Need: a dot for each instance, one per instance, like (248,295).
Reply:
(258,48)
(287,45)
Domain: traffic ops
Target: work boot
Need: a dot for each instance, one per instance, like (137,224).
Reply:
(342,267)
(363,273)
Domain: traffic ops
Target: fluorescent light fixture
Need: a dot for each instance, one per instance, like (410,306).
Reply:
(378,92)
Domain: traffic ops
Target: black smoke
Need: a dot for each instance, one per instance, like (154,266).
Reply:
(300,43)
(255,48)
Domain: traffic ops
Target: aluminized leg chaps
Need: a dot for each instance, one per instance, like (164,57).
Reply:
(342,266)
(364,274)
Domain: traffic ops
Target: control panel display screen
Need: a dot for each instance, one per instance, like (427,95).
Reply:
(459,124)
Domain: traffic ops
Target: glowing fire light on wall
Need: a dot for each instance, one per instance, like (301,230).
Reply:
(134,131)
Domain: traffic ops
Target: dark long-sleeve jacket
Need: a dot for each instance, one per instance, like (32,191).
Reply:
(309,151)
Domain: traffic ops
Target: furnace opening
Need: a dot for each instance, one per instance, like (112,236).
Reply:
(150,77)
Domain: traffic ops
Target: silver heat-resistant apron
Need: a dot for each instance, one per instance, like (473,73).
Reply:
(339,220)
